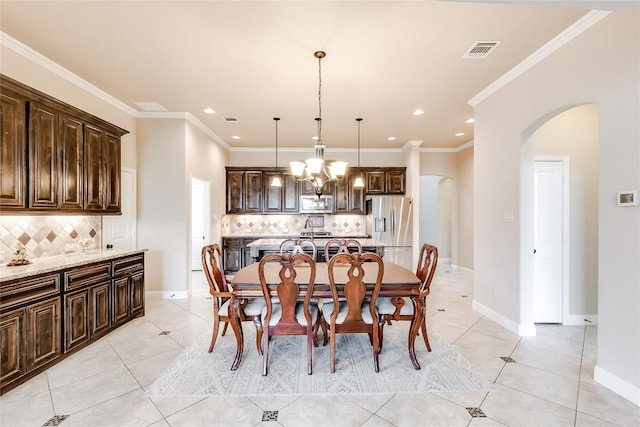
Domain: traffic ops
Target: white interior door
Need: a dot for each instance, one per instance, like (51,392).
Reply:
(200,229)
(120,231)
(548,232)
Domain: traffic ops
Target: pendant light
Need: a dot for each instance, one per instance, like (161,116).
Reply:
(276,182)
(315,170)
(359,182)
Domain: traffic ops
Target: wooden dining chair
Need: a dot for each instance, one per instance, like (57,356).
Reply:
(250,309)
(356,313)
(403,309)
(297,246)
(285,312)
(343,247)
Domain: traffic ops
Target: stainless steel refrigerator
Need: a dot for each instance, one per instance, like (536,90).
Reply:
(390,220)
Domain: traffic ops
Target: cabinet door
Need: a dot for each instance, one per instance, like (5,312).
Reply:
(375,181)
(112,173)
(12,346)
(395,180)
(232,258)
(120,300)
(94,168)
(43,156)
(137,293)
(272,195)
(235,191)
(13,151)
(341,195)
(307,188)
(76,319)
(290,195)
(253,195)
(100,308)
(43,333)
(71,163)
(356,195)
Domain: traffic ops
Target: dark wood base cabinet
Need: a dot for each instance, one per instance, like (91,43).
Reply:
(47,317)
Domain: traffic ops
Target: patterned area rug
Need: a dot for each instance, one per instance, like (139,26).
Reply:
(196,372)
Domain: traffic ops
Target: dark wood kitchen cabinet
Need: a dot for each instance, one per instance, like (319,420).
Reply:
(235,253)
(73,160)
(46,317)
(244,190)
(102,170)
(385,180)
(30,326)
(86,303)
(282,199)
(55,159)
(13,152)
(347,198)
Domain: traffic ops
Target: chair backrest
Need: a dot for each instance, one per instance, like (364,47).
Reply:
(214,269)
(427,263)
(355,288)
(343,247)
(285,287)
(296,246)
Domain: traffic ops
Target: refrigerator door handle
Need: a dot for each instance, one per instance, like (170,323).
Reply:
(393,221)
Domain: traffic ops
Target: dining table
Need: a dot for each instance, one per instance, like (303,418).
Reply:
(398,283)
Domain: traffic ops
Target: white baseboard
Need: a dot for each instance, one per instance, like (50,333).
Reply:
(166,294)
(522,330)
(580,320)
(617,385)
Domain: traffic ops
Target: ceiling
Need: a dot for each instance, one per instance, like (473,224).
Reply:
(254,61)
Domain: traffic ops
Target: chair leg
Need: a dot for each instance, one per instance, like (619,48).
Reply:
(376,349)
(258,324)
(333,350)
(214,335)
(310,350)
(381,323)
(224,328)
(265,352)
(424,334)
(325,332)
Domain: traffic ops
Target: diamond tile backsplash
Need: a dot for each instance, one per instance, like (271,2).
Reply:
(45,236)
(285,225)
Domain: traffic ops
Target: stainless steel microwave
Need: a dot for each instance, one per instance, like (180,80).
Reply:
(315,204)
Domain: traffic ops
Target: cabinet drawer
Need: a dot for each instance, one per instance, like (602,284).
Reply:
(127,266)
(227,241)
(24,290)
(87,275)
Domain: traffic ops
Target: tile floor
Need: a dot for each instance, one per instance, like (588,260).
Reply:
(545,380)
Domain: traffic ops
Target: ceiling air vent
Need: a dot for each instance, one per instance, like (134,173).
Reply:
(230,119)
(480,50)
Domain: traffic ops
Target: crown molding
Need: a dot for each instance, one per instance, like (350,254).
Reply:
(448,150)
(571,32)
(41,60)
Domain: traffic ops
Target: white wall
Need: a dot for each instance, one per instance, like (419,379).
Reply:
(462,233)
(601,66)
(429,209)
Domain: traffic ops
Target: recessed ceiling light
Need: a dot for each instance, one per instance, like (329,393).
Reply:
(315,138)
(460,134)
(418,112)
(471,120)
(209,110)
(391,138)
(235,137)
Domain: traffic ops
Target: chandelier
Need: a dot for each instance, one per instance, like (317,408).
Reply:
(315,170)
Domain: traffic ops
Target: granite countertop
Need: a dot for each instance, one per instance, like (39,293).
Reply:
(61,262)
(319,242)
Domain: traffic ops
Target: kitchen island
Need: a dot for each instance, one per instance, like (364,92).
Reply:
(262,247)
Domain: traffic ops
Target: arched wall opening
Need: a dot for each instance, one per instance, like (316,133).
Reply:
(569,135)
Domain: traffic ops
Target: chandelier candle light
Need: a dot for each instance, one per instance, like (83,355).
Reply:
(314,169)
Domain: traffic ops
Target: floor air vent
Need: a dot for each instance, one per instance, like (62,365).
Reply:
(480,50)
